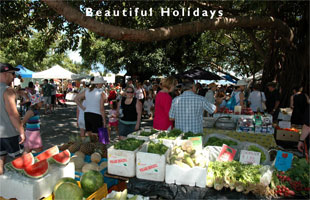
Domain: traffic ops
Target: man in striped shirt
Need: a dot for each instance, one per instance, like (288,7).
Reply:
(187,109)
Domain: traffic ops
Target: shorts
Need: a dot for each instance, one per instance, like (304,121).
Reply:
(81,122)
(33,139)
(125,129)
(53,99)
(47,100)
(93,121)
(11,147)
(113,123)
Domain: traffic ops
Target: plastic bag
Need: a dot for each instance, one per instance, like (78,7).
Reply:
(266,177)
(246,146)
(103,135)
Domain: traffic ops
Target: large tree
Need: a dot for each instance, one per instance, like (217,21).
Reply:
(250,36)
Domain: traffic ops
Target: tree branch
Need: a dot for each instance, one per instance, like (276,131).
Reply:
(167,32)
(256,44)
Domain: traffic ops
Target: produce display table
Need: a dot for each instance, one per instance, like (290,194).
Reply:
(265,140)
(172,191)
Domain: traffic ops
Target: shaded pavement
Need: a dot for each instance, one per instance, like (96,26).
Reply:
(58,126)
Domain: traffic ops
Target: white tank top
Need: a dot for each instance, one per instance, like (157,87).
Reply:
(92,100)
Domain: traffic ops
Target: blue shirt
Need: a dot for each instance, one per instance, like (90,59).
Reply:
(187,111)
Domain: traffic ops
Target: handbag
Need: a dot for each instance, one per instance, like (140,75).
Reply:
(103,135)
(264,107)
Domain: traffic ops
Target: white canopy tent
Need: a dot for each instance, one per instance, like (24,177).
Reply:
(54,72)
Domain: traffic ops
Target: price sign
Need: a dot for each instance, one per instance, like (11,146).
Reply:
(227,153)
(250,157)
(197,142)
(283,160)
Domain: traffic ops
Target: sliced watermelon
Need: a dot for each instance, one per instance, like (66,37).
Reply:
(21,162)
(37,170)
(48,153)
(62,158)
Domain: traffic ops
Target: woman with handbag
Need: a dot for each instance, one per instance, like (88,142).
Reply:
(257,99)
(129,110)
(94,113)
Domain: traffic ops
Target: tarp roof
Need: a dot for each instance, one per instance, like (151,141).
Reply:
(199,74)
(24,72)
(54,72)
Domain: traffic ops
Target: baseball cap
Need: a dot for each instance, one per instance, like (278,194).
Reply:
(5,67)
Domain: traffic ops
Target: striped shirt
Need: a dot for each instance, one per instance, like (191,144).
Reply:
(187,111)
(33,123)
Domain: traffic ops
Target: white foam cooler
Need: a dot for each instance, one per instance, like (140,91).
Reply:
(15,185)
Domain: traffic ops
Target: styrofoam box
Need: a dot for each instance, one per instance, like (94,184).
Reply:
(150,166)
(15,185)
(139,137)
(195,176)
(122,162)
(167,142)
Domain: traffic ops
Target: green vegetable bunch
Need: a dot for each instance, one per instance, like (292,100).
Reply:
(154,131)
(233,175)
(257,149)
(144,133)
(157,148)
(215,141)
(191,134)
(129,144)
(173,134)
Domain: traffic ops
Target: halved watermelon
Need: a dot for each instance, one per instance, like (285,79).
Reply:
(21,162)
(62,158)
(48,153)
(37,170)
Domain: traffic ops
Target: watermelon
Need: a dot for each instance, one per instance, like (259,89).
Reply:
(64,180)
(68,191)
(48,153)
(62,158)
(37,170)
(23,161)
(91,181)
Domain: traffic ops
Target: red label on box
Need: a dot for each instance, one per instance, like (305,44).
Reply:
(118,161)
(148,167)
(227,153)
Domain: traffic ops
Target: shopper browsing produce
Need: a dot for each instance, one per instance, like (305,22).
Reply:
(187,109)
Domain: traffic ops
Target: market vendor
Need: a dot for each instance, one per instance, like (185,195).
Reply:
(187,109)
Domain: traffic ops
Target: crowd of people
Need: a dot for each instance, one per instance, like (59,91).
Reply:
(168,103)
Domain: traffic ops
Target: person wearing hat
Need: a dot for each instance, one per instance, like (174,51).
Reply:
(32,121)
(211,93)
(238,94)
(11,129)
(94,113)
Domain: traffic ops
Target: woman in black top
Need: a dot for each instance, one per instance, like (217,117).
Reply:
(298,104)
(129,110)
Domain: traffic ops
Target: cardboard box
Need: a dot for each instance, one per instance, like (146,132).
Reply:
(122,162)
(285,135)
(140,137)
(150,166)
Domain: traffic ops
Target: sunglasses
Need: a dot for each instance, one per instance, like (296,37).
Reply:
(129,92)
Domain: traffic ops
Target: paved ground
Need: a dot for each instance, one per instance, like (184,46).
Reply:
(58,126)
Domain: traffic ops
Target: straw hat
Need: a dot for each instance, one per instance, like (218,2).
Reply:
(97,80)
(211,85)
(241,82)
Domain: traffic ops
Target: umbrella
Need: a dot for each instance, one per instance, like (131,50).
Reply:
(199,74)
(24,72)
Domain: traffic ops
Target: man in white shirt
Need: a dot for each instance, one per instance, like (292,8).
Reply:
(211,92)
(256,99)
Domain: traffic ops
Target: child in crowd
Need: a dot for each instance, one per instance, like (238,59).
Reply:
(32,120)
(80,118)
(113,121)
(148,107)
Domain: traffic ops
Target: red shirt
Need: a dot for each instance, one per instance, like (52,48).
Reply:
(162,106)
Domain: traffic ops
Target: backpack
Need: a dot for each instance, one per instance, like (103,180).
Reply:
(231,103)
